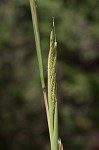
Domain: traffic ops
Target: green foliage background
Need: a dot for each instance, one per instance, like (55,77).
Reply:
(22,114)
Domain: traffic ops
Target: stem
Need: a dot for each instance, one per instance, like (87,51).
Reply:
(37,40)
(39,54)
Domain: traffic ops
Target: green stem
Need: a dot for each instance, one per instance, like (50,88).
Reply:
(39,54)
(37,40)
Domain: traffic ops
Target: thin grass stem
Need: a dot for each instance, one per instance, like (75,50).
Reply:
(33,6)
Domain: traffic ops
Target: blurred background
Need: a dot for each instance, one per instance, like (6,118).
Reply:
(23,124)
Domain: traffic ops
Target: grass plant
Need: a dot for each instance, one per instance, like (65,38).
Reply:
(50,101)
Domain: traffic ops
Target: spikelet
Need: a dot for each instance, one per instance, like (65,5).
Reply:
(52,85)
(52,67)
